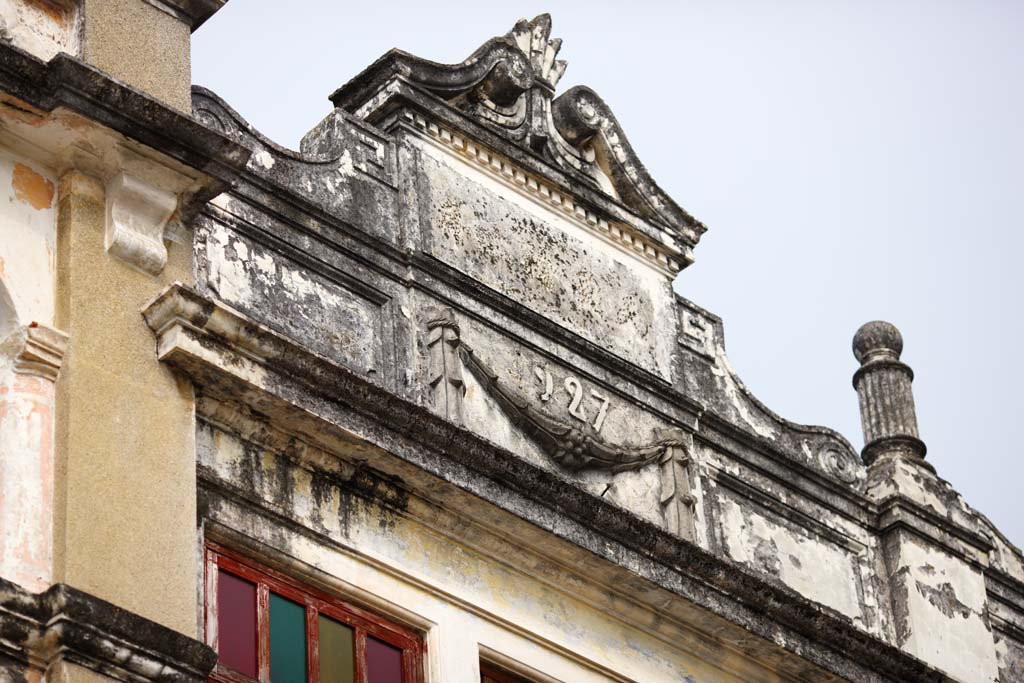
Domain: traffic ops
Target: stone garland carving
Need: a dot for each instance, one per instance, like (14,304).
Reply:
(566,444)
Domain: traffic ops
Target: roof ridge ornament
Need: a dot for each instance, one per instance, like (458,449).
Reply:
(534,39)
(508,85)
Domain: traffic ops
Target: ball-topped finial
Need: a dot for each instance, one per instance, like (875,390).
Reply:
(877,339)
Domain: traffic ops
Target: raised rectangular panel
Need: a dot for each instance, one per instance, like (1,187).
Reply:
(539,257)
(818,563)
(327,317)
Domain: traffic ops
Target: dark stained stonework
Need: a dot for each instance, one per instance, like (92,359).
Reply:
(464,279)
(64,624)
(452,310)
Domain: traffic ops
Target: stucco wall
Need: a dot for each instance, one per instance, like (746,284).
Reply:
(464,600)
(28,198)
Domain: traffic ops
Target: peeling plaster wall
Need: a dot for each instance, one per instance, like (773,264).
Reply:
(41,27)
(941,612)
(813,566)
(27,238)
(462,599)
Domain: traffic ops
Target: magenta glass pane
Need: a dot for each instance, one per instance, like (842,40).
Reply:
(383,662)
(236,623)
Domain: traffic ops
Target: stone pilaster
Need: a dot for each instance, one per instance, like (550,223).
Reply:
(126,501)
(33,356)
(933,556)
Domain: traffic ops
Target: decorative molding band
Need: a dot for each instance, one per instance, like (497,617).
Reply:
(137,213)
(227,352)
(63,623)
(665,258)
(36,350)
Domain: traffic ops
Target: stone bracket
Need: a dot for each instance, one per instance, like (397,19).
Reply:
(137,214)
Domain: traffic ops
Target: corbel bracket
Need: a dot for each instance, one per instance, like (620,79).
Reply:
(137,214)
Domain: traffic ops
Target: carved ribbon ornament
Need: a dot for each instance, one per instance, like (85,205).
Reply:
(564,443)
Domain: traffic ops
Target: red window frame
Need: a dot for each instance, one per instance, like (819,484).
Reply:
(316,602)
(491,674)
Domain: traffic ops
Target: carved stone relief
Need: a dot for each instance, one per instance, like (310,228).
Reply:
(563,415)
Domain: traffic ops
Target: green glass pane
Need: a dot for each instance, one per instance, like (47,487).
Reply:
(287,641)
(337,653)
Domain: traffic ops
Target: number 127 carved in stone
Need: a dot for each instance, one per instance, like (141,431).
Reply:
(575,391)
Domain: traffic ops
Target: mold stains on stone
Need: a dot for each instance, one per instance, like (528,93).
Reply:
(766,557)
(569,280)
(943,598)
(32,188)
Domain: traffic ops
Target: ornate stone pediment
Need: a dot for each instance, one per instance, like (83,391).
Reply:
(508,86)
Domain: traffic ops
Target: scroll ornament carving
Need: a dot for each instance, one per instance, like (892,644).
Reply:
(509,84)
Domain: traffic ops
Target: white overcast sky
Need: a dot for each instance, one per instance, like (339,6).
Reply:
(852,161)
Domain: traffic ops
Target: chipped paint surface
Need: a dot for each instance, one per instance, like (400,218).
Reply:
(467,599)
(27,238)
(40,27)
(537,257)
(943,618)
(809,564)
(30,358)
(31,187)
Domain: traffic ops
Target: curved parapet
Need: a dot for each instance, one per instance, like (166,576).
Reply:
(508,86)
(584,120)
(706,373)
(498,68)
(345,167)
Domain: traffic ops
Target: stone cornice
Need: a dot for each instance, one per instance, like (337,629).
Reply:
(64,623)
(68,83)
(192,12)
(226,352)
(900,511)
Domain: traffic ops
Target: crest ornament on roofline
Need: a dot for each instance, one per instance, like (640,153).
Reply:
(508,86)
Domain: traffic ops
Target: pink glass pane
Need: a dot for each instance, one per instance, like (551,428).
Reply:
(383,662)
(236,623)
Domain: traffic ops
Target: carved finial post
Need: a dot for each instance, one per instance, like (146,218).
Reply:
(883,384)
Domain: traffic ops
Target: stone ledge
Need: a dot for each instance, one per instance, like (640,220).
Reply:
(64,623)
(67,82)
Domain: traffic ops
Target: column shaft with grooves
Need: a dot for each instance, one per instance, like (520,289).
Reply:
(883,385)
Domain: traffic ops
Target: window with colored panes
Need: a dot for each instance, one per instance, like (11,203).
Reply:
(491,674)
(267,628)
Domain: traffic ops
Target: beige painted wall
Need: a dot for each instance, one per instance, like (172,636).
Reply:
(141,45)
(125,438)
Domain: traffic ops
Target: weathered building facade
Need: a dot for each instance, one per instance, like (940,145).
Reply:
(418,402)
